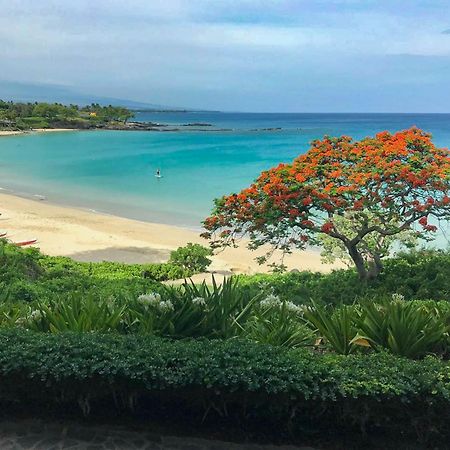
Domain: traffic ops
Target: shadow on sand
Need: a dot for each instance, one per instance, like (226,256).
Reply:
(130,255)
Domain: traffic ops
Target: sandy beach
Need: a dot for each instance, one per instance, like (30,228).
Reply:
(88,236)
(10,133)
(36,130)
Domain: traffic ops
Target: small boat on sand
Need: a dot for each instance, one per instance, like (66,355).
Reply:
(25,243)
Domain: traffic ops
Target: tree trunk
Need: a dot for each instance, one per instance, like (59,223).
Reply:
(375,267)
(363,273)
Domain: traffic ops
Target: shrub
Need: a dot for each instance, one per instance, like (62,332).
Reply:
(422,275)
(225,308)
(410,329)
(279,323)
(108,270)
(29,275)
(17,263)
(220,311)
(404,328)
(76,313)
(337,327)
(23,290)
(298,389)
(193,257)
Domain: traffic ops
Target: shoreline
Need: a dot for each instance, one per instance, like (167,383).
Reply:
(158,128)
(36,130)
(85,235)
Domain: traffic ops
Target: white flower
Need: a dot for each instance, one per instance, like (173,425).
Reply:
(35,315)
(271,301)
(292,307)
(165,306)
(152,299)
(398,297)
(199,301)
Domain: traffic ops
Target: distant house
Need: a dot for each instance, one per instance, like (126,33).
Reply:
(93,114)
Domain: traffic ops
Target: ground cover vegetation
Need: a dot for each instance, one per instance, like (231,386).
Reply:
(25,116)
(28,275)
(55,295)
(242,352)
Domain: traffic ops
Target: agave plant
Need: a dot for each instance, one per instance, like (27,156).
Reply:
(4,293)
(404,328)
(337,328)
(76,313)
(217,311)
(373,325)
(167,314)
(226,307)
(279,324)
(13,314)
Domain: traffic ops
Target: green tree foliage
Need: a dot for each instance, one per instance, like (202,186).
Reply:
(193,257)
(108,113)
(41,114)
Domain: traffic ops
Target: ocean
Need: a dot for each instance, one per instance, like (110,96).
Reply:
(113,171)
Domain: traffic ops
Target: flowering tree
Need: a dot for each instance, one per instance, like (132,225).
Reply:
(388,186)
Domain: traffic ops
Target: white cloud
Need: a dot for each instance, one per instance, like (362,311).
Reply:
(193,46)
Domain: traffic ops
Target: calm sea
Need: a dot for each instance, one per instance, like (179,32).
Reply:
(113,171)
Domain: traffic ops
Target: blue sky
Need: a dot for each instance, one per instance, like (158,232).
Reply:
(237,55)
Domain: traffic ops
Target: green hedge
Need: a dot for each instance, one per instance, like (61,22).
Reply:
(108,270)
(295,389)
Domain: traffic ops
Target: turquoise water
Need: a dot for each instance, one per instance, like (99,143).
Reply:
(113,171)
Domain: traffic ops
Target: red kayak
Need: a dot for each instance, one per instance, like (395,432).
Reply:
(24,243)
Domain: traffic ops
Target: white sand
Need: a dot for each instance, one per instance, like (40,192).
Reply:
(10,133)
(89,236)
(37,130)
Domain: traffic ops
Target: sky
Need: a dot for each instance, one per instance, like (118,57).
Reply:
(233,55)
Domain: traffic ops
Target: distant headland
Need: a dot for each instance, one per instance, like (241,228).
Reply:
(23,117)
(17,117)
